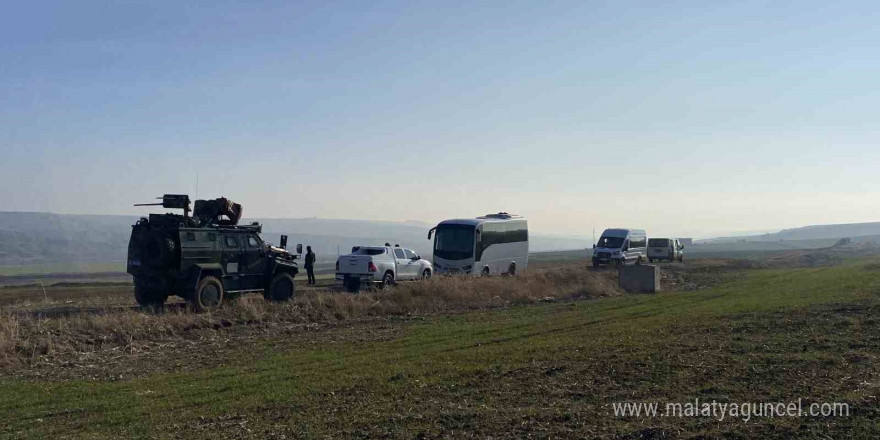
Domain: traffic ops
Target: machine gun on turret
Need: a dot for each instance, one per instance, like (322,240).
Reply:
(172,201)
(206,212)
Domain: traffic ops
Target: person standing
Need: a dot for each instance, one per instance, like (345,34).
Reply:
(310,265)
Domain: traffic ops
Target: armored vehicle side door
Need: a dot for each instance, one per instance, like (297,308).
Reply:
(231,259)
(254,264)
(197,246)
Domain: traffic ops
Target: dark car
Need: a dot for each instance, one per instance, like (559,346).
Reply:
(206,258)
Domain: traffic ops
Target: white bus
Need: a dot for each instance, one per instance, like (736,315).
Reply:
(488,245)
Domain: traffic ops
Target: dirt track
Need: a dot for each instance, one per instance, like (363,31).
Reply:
(100,294)
(67,298)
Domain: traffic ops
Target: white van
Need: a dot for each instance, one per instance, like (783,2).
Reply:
(619,247)
(669,249)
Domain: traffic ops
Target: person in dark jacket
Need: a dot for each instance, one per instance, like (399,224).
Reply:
(310,265)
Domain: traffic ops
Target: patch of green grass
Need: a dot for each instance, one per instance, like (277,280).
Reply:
(542,370)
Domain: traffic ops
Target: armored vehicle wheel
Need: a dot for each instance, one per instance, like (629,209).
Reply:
(281,288)
(208,295)
(147,294)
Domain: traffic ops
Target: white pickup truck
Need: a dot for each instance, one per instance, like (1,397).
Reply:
(383,265)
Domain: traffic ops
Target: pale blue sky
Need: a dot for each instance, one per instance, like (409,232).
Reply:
(684,118)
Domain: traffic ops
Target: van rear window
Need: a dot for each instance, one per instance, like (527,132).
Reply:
(369,251)
(658,242)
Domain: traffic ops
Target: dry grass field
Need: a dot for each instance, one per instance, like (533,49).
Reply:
(70,321)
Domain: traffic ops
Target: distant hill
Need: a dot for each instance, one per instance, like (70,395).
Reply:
(816,232)
(37,238)
(32,238)
(826,231)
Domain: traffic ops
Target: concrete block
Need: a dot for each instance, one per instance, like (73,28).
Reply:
(640,278)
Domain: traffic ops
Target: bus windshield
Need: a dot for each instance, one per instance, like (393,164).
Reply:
(611,242)
(454,242)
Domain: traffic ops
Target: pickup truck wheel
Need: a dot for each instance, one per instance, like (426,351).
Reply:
(208,295)
(485,271)
(351,285)
(511,271)
(426,274)
(281,288)
(388,280)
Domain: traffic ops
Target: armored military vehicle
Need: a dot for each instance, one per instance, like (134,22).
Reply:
(206,257)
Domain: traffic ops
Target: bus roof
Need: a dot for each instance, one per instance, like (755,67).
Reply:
(483,219)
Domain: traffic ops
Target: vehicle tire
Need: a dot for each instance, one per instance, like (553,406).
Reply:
(639,261)
(511,271)
(147,294)
(485,271)
(208,295)
(426,274)
(281,288)
(351,285)
(388,279)
(681,258)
